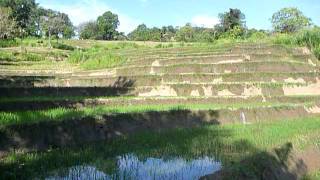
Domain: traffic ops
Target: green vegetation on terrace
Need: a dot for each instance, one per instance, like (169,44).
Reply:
(228,143)
(58,114)
(24,56)
(102,55)
(309,38)
(97,57)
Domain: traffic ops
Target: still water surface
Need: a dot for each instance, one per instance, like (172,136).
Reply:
(130,167)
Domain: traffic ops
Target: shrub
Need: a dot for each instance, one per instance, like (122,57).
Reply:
(316,52)
(236,32)
(158,46)
(8,43)
(62,46)
(309,38)
(256,36)
(285,39)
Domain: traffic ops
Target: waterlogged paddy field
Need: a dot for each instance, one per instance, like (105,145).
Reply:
(205,148)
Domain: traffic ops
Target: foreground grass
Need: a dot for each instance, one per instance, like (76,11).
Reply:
(313,176)
(228,143)
(59,114)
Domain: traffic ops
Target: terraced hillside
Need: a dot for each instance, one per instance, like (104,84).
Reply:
(49,104)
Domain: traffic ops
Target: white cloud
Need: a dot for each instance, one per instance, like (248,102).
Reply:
(86,10)
(204,21)
(127,23)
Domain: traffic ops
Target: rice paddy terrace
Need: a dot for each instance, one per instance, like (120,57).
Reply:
(52,104)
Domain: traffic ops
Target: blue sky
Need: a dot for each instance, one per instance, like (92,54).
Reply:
(179,12)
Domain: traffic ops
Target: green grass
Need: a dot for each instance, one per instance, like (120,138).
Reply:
(309,38)
(102,60)
(63,46)
(58,114)
(312,176)
(8,43)
(20,56)
(228,143)
(4,55)
(96,58)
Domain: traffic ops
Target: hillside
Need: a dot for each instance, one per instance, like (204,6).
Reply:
(53,103)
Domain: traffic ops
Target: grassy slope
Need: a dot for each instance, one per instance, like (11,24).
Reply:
(57,114)
(228,143)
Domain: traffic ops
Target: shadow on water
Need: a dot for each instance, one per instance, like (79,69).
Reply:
(25,87)
(97,142)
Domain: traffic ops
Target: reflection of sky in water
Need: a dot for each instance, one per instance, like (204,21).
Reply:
(129,167)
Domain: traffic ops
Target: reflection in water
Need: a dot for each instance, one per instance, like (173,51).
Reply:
(130,167)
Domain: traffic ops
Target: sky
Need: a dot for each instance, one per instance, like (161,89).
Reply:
(203,13)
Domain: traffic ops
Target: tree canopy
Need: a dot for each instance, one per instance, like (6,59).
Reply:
(88,30)
(288,20)
(104,28)
(107,25)
(27,18)
(143,33)
(32,20)
(22,11)
(7,25)
(231,19)
(56,24)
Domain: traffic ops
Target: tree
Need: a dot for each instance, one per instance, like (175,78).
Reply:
(155,34)
(21,12)
(7,25)
(204,34)
(141,33)
(167,33)
(185,33)
(67,28)
(231,19)
(88,30)
(288,20)
(56,24)
(107,25)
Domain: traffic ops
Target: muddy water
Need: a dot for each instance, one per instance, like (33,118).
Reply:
(131,167)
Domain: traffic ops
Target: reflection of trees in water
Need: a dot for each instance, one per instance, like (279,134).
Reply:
(130,167)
